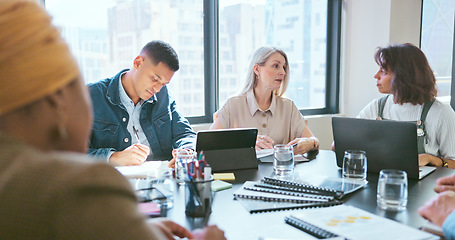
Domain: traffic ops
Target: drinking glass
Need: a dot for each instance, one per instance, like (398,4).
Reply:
(283,162)
(161,189)
(183,157)
(392,190)
(355,164)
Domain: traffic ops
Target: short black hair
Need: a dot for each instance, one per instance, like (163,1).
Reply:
(160,51)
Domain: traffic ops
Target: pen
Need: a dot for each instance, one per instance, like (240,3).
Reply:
(135,134)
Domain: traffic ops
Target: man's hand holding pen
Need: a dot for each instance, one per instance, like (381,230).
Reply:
(133,155)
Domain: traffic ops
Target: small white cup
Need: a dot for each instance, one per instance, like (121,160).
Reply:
(283,159)
(392,190)
(355,164)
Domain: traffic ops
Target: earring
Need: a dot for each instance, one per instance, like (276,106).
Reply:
(62,133)
(61,130)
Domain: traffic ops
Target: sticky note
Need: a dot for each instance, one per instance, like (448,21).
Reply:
(219,185)
(224,176)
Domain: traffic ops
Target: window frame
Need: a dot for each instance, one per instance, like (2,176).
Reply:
(452,89)
(211,61)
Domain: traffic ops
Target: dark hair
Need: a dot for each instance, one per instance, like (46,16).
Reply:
(413,81)
(160,51)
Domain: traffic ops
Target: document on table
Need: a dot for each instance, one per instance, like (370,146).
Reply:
(353,223)
(263,156)
(140,171)
(264,153)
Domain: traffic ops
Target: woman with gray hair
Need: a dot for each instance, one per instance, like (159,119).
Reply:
(261,105)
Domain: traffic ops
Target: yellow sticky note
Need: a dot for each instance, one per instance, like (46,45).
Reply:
(224,176)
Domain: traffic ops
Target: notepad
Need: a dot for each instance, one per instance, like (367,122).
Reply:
(352,223)
(250,190)
(259,197)
(219,185)
(141,171)
(224,176)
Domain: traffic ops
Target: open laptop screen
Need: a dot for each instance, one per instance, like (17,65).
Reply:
(388,144)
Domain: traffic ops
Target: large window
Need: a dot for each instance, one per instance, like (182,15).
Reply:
(297,27)
(214,40)
(437,41)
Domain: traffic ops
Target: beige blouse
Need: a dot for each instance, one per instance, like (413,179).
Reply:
(282,121)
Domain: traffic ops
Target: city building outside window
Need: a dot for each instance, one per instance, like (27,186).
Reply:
(106,35)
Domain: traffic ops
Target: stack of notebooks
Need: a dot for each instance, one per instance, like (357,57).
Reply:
(271,194)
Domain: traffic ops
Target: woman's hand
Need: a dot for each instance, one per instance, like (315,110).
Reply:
(304,145)
(428,159)
(264,142)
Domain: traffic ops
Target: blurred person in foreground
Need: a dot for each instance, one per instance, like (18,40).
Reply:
(440,210)
(49,189)
(261,105)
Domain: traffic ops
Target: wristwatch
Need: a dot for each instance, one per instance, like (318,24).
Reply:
(444,163)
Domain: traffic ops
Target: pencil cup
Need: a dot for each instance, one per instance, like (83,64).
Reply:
(183,157)
(198,197)
(392,190)
(283,159)
(355,164)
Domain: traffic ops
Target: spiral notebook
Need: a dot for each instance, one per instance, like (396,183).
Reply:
(352,223)
(262,197)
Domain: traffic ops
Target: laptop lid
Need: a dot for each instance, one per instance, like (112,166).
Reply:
(228,149)
(388,144)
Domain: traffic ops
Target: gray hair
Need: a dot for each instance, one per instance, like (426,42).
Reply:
(260,57)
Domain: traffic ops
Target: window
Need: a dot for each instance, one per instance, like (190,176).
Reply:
(113,33)
(437,41)
(214,40)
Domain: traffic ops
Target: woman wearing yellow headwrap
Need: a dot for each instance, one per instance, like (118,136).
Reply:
(48,188)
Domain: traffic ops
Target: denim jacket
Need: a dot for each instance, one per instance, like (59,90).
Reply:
(164,127)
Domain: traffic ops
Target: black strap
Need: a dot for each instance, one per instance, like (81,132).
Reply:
(421,132)
(422,139)
(381,104)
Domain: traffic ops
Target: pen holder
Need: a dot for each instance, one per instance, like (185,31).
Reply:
(198,197)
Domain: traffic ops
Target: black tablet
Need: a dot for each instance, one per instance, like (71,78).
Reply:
(228,149)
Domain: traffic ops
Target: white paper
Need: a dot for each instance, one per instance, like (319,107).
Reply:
(151,168)
(354,223)
(264,153)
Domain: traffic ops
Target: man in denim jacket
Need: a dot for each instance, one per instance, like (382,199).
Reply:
(134,117)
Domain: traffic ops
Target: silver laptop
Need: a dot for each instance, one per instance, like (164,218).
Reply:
(388,144)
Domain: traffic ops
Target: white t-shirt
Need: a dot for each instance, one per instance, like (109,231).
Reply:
(439,124)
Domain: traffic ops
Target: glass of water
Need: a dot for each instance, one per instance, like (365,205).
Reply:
(392,190)
(161,189)
(183,157)
(355,164)
(283,162)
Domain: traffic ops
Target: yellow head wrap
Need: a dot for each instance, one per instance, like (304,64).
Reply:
(34,60)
